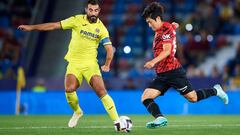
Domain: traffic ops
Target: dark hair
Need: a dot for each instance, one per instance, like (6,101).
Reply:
(153,10)
(94,2)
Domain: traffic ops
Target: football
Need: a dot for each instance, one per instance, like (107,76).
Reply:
(123,124)
(127,123)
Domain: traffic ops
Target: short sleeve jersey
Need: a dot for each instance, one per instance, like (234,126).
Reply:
(85,39)
(166,34)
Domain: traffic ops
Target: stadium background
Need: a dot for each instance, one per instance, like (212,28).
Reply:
(208,48)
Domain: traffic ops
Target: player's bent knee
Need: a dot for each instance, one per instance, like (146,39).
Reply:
(101,93)
(70,89)
(145,96)
(191,96)
(192,99)
(150,94)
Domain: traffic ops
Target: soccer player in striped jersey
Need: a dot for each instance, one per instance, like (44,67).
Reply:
(168,69)
(87,33)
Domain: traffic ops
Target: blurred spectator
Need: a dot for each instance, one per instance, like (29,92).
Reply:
(231,75)
(200,73)
(12,14)
(39,86)
(210,20)
(237,9)
(215,73)
(9,56)
(191,48)
(226,13)
(191,71)
(203,46)
(233,62)
(180,55)
(129,84)
(237,57)
(226,76)
(221,42)
(235,81)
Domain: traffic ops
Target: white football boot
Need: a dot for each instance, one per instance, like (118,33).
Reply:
(74,120)
(221,94)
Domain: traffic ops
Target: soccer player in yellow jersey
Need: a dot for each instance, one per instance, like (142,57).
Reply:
(87,33)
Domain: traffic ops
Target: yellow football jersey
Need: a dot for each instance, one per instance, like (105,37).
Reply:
(85,39)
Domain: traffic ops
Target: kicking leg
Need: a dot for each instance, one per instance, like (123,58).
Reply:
(71,84)
(97,84)
(148,100)
(195,96)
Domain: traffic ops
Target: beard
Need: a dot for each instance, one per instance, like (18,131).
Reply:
(92,19)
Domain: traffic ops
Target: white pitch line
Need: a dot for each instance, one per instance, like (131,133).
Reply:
(97,127)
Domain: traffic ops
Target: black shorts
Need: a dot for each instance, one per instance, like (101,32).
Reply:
(175,78)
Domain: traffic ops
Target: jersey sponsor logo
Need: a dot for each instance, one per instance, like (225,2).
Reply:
(167,36)
(89,34)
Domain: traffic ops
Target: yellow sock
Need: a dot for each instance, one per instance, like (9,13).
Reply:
(110,107)
(72,100)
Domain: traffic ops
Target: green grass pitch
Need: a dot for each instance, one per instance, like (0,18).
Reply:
(102,125)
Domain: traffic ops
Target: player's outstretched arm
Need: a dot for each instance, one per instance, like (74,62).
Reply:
(109,57)
(41,27)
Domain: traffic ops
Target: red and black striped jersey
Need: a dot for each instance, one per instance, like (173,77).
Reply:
(166,34)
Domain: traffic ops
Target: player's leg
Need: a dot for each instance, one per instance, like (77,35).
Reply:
(148,100)
(156,88)
(182,84)
(195,96)
(198,95)
(148,97)
(94,79)
(97,84)
(71,84)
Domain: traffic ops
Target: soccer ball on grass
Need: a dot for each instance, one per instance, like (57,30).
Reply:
(123,124)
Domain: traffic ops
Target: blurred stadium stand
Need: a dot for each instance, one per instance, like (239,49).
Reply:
(208,41)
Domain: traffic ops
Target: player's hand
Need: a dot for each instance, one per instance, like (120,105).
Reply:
(105,68)
(25,27)
(149,64)
(175,24)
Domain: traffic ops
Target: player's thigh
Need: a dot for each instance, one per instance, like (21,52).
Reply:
(94,78)
(91,71)
(150,93)
(159,84)
(73,78)
(179,81)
